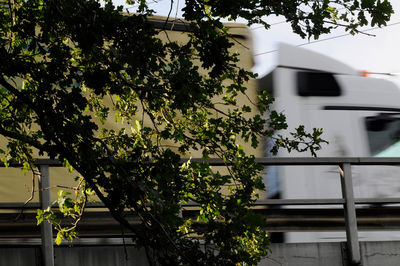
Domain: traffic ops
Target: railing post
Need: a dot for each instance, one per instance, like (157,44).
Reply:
(350,214)
(46,230)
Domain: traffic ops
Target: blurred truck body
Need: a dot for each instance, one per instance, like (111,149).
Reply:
(360,117)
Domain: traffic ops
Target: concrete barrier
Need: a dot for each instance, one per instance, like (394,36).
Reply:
(385,253)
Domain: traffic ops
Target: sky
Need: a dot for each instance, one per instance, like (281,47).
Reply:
(376,54)
(380,53)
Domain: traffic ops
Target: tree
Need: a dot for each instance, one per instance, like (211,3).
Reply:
(61,61)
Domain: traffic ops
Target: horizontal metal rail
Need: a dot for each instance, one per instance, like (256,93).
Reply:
(262,203)
(267,161)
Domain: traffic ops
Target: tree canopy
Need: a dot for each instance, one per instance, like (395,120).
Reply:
(62,61)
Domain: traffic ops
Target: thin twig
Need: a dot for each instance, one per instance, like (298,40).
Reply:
(238,42)
(31,196)
(167,19)
(124,244)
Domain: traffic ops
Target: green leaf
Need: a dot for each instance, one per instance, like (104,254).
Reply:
(59,238)
(39,216)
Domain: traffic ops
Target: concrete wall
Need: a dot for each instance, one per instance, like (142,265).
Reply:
(76,256)
(384,253)
(307,254)
(99,256)
(19,256)
(292,254)
(380,253)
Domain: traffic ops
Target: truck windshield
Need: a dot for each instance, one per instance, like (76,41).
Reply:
(384,135)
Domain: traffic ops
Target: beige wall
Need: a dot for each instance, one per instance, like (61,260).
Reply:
(16,187)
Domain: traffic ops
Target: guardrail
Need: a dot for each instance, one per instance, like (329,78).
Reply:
(348,201)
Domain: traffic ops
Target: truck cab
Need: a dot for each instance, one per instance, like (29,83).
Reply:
(360,117)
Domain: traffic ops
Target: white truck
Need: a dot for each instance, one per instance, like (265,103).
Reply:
(360,117)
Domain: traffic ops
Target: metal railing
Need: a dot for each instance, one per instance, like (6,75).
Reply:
(348,201)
